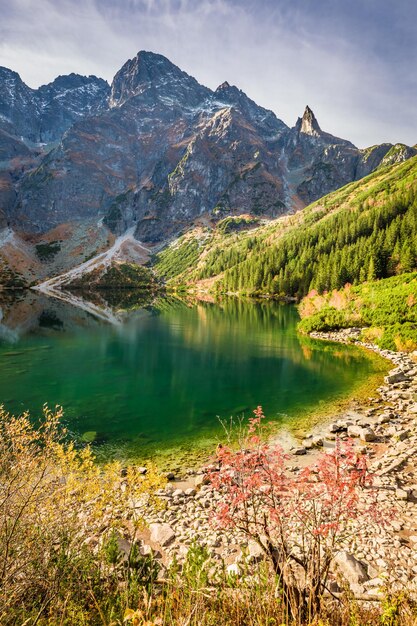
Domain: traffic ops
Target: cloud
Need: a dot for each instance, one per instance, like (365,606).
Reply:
(351,62)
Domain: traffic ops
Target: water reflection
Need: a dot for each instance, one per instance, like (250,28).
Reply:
(142,374)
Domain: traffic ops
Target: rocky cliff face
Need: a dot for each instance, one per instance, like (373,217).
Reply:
(43,115)
(157,150)
(32,121)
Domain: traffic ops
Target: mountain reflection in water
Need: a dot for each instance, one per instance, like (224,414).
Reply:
(141,376)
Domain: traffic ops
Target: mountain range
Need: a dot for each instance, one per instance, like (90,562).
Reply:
(85,165)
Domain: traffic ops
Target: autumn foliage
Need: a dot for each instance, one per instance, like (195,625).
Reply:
(58,507)
(300,520)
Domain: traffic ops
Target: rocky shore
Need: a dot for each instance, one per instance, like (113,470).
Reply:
(382,556)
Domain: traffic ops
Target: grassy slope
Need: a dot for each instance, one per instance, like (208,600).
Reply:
(387,309)
(249,261)
(118,276)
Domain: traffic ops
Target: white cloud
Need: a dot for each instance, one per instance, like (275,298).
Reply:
(282,57)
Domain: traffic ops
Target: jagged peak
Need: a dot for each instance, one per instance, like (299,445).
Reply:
(73,79)
(308,124)
(149,69)
(223,86)
(11,74)
(146,65)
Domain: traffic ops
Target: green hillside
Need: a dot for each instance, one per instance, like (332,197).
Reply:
(364,231)
(386,309)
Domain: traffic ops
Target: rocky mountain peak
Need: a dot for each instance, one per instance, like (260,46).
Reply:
(18,106)
(231,96)
(72,81)
(5,73)
(308,124)
(168,151)
(149,71)
(11,82)
(223,86)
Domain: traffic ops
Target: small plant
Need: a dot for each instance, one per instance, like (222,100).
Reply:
(195,571)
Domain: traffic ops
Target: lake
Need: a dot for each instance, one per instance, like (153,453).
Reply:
(142,379)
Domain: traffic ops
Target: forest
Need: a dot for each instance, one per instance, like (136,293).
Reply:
(365,231)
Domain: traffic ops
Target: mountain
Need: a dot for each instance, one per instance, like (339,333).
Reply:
(155,153)
(43,115)
(364,231)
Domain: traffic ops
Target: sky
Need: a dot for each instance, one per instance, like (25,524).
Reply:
(354,62)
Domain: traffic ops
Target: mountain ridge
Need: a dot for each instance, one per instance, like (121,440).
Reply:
(363,231)
(156,152)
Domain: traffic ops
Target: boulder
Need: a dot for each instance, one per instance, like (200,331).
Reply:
(368,434)
(351,569)
(397,377)
(233,569)
(365,433)
(354,431)
(146,550)
(401,494)
(124,547)
(317,441)
(201,479)
(162,534)
(337,427)
(403,435)
(300,451)
(255,552)
(384,418)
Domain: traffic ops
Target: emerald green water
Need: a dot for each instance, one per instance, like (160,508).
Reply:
(158,380)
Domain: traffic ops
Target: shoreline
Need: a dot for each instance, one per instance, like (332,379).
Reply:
(179,457)
(386,426)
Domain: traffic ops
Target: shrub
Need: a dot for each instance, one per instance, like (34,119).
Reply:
(55,502)
(300,522)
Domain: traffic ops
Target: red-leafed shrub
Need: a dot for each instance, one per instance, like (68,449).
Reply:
(299,520)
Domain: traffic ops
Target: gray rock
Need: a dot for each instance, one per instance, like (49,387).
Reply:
(233,569)
(337,428)
(124,546)
(146,550)
(353,570)
(397,377)
(317,441)
(403,435)
(354,431)
(201,479)
(162,534)
(255,552)
(368,434)
(384,419)
(300,451)
(401,494)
